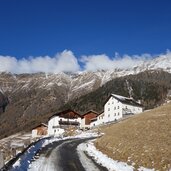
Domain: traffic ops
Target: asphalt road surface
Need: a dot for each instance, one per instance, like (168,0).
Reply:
(63,156)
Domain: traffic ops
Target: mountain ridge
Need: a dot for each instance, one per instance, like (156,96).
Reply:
(34,97)
(149,87)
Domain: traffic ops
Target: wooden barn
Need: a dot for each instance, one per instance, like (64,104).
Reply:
(86,119)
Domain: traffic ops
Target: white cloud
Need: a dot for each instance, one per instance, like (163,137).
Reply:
(67,62)
(8,63)
(62,62)
(97,62)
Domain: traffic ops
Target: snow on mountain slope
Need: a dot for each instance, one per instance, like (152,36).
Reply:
(80,83)
(33,97)
(162,62)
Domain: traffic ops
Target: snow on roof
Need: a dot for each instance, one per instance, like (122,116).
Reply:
(126,100)
(121,97)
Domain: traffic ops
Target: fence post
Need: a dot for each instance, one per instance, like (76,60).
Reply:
(1,159)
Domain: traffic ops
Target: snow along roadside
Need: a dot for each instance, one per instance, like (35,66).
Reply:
(86,162)
(104,160)
(24,161)
(50,164)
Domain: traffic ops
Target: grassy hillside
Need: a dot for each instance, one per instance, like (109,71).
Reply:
(144,139)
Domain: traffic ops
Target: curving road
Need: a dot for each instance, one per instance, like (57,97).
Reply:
(64,156)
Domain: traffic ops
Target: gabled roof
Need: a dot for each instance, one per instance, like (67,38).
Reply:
(91,111)
(66,114)
(101,114)
(125,100)
(42,124)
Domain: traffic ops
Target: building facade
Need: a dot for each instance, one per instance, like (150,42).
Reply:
(118,106)
(58,122)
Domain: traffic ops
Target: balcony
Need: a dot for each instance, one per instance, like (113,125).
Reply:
(75,123)
(55,127)
(126,111)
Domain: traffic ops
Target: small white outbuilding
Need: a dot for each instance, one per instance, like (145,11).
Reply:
(39,131)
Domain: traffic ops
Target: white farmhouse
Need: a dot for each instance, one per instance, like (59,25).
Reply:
(59,121)
(118,106)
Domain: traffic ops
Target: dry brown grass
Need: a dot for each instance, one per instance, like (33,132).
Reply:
(142,140)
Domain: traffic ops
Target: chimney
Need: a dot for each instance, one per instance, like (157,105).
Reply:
(139,101)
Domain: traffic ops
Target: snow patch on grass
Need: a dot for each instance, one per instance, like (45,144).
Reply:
(105,161)
(86,162)
(145,169)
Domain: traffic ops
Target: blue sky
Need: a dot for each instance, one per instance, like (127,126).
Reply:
(90,27)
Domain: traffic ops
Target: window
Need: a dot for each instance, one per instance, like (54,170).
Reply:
(115,108)
(118,107)
(118,113)
(108,103)
(115,114)
(108,109)
(126,107)
(112,102)
(54,126)
(108,115)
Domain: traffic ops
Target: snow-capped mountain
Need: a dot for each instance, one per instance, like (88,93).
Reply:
(74,85)
(39,95)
